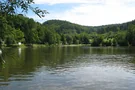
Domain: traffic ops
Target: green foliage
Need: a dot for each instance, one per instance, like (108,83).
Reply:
(16,28)
(69,39)
(10,40)
(84,38)
(19,35)
(121,39)
(65,27)
(76,39)
(131,35)
(3,27)
(10,7)
(97,41)
(63,39)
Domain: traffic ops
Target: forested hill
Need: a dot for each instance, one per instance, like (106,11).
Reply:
(17,28)
(66,27)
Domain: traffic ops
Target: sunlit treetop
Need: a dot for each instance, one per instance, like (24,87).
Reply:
(12,7)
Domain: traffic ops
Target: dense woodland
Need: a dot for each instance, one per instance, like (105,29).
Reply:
(17,28)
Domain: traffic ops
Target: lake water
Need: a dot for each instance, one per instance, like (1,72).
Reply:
(68,68)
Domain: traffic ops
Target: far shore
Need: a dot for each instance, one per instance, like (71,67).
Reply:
(44,45)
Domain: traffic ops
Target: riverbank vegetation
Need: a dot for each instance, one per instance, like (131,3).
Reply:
(17,28)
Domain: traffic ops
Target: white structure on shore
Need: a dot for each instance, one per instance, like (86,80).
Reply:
(19,43)
(0,51)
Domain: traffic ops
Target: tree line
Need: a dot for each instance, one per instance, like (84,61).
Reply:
(17,28)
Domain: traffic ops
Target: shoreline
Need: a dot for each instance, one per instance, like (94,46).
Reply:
(44,45)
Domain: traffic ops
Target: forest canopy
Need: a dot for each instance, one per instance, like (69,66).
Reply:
(17,28)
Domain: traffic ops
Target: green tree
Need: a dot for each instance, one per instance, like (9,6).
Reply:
(12,6)
(63,39)
(121,38)
(69,39)
(3,27)
(18,35)
(76,39)
(97,40)
(41,33)
(50,37)
(131,35)
(84,38)
(30,31)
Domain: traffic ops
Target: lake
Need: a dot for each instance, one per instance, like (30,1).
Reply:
(68,68)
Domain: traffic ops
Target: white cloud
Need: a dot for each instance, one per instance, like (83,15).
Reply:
(82,1)
(66,1)
(109,12)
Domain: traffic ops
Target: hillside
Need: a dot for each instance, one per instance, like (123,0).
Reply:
(14,29)
(66,27)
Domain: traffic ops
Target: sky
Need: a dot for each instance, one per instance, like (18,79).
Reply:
(87,12)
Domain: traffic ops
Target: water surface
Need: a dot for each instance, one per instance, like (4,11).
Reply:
(68,68)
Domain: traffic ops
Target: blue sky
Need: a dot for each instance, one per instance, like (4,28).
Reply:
(87,12)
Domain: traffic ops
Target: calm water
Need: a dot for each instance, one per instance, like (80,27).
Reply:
(68,68)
